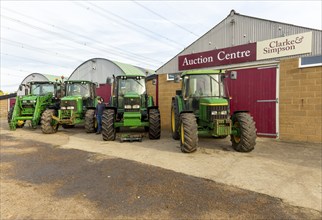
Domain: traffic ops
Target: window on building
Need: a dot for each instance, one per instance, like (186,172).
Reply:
(171,76)
(310,61)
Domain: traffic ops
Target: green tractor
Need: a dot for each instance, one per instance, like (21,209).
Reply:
(202,107)
(76,107)
(40,95)
(131,107)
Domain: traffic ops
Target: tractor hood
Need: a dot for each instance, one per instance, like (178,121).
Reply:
(71,98)
(131,95)
(29,98)
(213,101)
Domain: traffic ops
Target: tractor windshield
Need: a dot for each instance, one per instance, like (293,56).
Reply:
(203,86)
(42,89)
(78,89)
(136,85)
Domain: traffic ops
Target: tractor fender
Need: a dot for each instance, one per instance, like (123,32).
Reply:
(179,102)
(185,111)
(240,111)
(111,107)
(153,107)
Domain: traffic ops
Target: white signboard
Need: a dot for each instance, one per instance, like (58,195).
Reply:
(284,46)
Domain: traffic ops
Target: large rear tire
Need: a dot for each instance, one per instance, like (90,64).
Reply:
(108,130)
(48,125)
(175,118)
(245,140)
(188,133)
(154,124)
(12,125)
(90,121)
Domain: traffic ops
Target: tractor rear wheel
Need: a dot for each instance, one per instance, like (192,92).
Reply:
(245,140)
(48,125)
(188,133)
(10,114)
(154,124)
(175,118)
(90,121)
(108,130)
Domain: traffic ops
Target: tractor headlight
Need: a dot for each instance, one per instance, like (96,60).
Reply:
(63,108)
(136,106)
(32,101)
(127,106)
(214,113)
(24,101)
(224,112)
(70,107)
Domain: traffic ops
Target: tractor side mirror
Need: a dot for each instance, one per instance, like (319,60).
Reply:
(177,78)
(109,81)
(233,75)
(20,88)
(154,81)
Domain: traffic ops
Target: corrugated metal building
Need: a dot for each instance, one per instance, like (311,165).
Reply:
(99,70)
(278,76)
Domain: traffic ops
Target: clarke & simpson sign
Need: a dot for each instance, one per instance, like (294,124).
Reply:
(231,55)
(285,46)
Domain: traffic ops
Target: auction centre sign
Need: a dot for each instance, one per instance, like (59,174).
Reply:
(273,48)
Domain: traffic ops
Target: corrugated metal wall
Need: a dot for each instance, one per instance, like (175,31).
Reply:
(239,29)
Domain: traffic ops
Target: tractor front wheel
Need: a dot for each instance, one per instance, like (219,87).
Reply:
(245,138)
(108,130)
(188,133)
(154,124)
(48,125)
(90,121)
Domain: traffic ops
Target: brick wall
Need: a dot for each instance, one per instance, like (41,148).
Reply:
(167,90)
(3,109)
(300,102)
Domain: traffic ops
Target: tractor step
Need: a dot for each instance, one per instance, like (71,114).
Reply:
(131,137)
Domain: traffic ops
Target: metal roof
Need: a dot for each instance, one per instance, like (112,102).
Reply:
(100,69)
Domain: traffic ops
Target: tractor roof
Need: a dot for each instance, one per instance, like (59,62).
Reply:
(202,72)
(77,81)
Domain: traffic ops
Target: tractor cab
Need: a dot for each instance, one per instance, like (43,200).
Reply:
(131,93)
(81,94)
(200,89)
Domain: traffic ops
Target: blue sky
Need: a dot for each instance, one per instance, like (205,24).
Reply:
(54,37)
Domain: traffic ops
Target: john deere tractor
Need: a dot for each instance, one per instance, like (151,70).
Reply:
(202,107)
(76,107)
(40,95)
(131,107)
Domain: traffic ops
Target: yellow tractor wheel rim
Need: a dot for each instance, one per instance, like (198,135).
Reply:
(20,122)
(182,134)
(172,121)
